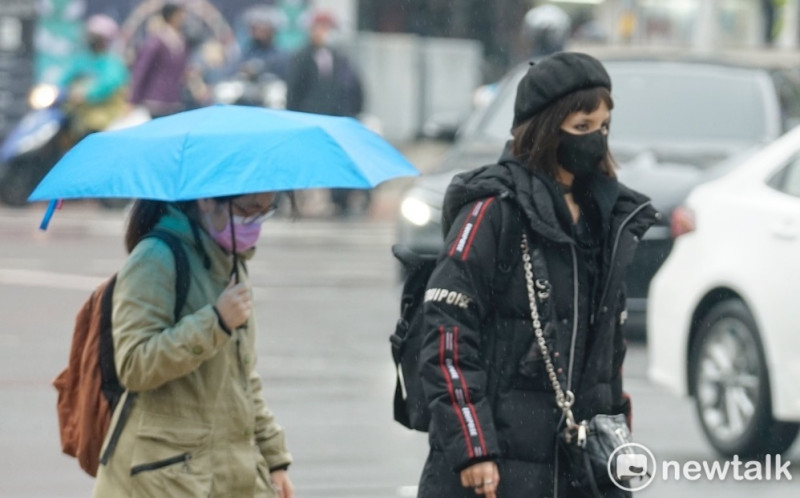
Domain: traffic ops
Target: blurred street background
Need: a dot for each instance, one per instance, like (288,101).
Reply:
(326,286)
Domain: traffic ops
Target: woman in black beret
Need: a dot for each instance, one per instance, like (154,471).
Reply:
(553,197)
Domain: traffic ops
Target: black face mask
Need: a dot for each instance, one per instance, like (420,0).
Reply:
(581,154)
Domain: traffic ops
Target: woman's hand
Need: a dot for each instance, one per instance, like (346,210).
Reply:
(282,483)
(234,305)
(482,477)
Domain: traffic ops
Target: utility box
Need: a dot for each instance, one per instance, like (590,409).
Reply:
(411,81)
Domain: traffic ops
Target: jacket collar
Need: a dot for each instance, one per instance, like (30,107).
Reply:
(540,199)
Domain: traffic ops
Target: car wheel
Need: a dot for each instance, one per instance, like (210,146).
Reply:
(731,385)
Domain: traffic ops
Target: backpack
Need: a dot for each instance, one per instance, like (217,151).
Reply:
(410,406)
(88,388)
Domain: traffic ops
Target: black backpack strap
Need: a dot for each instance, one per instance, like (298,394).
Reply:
(111,386)
(513,223)
(109,383)
(510,225)
(417,269)
(181,267)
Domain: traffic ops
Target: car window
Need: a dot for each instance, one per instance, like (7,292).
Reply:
(791,182)
(665,103)
(787,179)
(495,124)
(686,104)
(787,86)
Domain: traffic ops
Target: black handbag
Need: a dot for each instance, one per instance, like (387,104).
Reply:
(589,445)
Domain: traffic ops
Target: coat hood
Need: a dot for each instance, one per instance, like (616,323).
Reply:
(538,197)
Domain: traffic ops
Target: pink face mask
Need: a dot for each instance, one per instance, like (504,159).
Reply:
(246,234)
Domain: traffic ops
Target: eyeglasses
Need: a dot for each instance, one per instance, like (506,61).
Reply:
(250,219)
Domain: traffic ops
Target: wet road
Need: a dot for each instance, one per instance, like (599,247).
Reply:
(326,298)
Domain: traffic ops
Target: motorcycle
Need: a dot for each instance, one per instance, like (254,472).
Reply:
(253,86)
(39,140)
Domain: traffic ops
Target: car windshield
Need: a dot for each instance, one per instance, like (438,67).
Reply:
(681,104)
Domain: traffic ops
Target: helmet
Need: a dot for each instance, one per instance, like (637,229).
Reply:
(102,26)
(546,29)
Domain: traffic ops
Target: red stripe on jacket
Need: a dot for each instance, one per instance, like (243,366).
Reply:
(475,229)
(466,391)
(451,390)
(461,233)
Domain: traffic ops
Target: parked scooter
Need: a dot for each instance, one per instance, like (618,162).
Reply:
(39,140)
(32,147)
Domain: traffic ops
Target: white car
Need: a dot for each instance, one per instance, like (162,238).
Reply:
(724,315)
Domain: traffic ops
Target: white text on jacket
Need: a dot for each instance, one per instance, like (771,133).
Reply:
(450,297)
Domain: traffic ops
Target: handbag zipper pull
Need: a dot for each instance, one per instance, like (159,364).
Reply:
(582,430)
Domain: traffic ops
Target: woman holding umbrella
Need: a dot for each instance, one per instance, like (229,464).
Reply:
(199,425)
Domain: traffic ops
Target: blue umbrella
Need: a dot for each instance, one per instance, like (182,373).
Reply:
(224,150)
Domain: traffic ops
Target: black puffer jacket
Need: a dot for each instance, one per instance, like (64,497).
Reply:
(483,376)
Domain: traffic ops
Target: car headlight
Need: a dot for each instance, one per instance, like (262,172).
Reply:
(42,96)
(416,211)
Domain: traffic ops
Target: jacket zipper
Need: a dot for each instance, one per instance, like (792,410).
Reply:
(575,295)
(185,458)
(573,341)
(575,314)
(614,255)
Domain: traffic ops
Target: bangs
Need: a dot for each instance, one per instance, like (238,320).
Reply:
(588,100)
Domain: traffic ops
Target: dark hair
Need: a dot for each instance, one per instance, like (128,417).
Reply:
(169,10)
(535,141)
(146,213)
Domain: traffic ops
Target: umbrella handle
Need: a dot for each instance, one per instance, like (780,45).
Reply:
(51,208)
(233,242)
(236,268)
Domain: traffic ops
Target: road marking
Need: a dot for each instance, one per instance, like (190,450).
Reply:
(36,278)
(71,281)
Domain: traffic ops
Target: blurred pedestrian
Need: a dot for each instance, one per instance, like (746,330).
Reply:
(322,80)
(495,417)
(199,425)
(159,71)
(96,81)
(260,54)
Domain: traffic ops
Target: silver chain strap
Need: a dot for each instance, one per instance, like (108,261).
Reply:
(564,400)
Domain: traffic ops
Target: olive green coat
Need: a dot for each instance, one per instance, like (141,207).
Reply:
(199,426)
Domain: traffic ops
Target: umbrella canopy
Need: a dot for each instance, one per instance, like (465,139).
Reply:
(224,150)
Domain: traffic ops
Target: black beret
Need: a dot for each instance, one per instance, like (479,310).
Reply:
(554,77)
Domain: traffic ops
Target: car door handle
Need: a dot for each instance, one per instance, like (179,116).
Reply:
(786,230)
